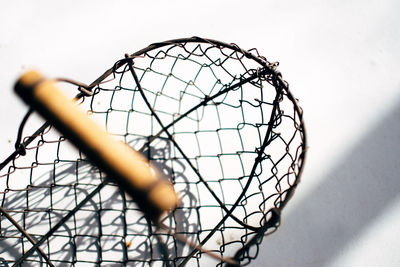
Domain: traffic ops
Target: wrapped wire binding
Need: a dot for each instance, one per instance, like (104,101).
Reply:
(217,120)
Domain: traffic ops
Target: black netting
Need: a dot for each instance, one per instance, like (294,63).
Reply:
(217,120)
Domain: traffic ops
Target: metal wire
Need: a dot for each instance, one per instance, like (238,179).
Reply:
(218,120)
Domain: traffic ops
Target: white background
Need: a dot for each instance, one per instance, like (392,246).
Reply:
(341,58)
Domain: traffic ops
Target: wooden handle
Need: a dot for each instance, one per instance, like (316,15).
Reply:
(127,167)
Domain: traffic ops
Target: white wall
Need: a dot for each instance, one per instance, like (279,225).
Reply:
(341,58)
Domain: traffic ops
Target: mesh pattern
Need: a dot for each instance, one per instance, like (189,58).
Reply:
(217,120)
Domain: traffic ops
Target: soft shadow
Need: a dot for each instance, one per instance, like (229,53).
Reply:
(337,211)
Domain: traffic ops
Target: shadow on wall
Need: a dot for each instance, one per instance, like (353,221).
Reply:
(340,208)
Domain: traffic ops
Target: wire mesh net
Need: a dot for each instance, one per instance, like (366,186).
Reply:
(217,120)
